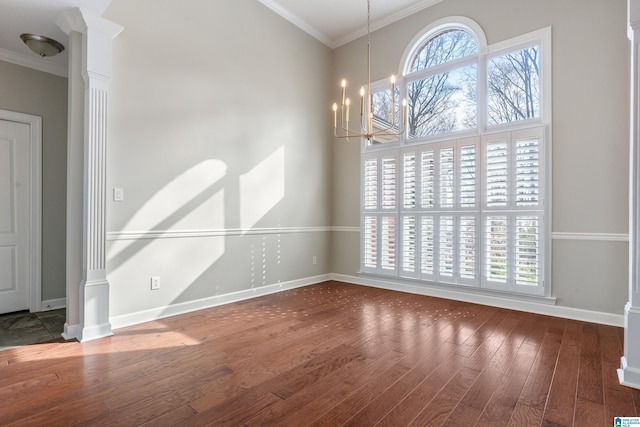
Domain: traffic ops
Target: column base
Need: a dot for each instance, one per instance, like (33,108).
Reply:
(71,332)
(629,372)
(94,310)
(627,376)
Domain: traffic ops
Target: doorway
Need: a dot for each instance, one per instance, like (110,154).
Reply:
(20,212)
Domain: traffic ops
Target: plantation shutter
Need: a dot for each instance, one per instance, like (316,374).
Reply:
(427,246)
(409,238)
(496,246)
(497,174)
(468,182)
(527,172)
(388,178)
(446,252)
(466,212)
(428,182)
(409,180)
(514,201)
(370,184)
(446,176)
(379,246)
(527,251)
(468,249)
(388,243)
(369,239)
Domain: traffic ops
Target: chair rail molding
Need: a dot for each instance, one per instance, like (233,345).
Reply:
(90,41)
(629,372)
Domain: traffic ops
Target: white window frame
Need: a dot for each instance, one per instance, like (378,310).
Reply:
(539,127)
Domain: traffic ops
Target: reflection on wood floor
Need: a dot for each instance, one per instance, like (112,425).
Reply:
(329,354)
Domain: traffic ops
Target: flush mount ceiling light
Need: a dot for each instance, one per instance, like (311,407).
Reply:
(43,46)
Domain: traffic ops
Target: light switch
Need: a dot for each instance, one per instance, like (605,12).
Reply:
(118,194)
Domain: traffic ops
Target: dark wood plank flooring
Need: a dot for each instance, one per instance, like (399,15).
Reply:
(326,355)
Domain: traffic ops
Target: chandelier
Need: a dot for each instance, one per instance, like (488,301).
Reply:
(372,128)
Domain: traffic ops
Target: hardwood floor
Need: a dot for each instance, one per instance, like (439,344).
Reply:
(327,355)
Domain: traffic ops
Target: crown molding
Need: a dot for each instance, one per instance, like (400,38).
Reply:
(35,63)
(298,22)
(381,23)
(335,43)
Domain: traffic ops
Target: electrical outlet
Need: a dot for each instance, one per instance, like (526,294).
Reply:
(314,260)
(155,283)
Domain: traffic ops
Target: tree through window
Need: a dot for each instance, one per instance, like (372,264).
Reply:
(460,198)
(513,81)
(442,101)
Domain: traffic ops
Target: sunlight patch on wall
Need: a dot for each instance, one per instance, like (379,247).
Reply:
(192,201)
(187,196)
(261,189)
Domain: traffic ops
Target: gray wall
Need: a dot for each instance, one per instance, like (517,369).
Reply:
(33,92)
(218,116)
(590,133)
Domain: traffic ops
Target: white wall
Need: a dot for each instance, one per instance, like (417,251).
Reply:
(218,135)
(218,126)
(590,134)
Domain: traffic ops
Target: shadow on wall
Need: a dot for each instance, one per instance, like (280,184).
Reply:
(182,232)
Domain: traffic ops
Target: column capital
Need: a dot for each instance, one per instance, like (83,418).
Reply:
(97,36)
(81,20)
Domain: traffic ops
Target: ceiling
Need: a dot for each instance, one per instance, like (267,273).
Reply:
(333,22)
(38,17)
(336,22)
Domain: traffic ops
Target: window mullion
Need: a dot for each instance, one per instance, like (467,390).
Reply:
(468,211)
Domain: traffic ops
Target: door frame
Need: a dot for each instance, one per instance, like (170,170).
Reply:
(35,203)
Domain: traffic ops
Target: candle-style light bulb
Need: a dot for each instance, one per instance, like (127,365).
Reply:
(393,100)
(335,115)
(361,101)
(348,102)
(404,111)
(344,86)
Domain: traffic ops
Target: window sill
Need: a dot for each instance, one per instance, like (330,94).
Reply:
(456,292)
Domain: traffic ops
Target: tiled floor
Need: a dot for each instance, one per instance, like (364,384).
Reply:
(24,328)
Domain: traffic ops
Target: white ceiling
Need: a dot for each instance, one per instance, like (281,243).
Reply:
(38,17)
(333,22)
(336,22)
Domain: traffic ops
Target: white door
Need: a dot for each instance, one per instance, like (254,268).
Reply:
(15,188)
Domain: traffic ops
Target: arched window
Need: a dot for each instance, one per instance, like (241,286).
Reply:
(446,46)
(459,199)
(441,80)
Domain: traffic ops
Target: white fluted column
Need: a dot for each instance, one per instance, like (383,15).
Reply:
(90,39)
(629,372)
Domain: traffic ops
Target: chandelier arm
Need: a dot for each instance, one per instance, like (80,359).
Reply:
(362,130)
(366,117)
(369,129)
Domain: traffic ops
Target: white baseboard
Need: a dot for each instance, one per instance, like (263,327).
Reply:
(545,306)
(95,332)
(54,304)
(187,307)
(516,303)
(71,332)
(628,376)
